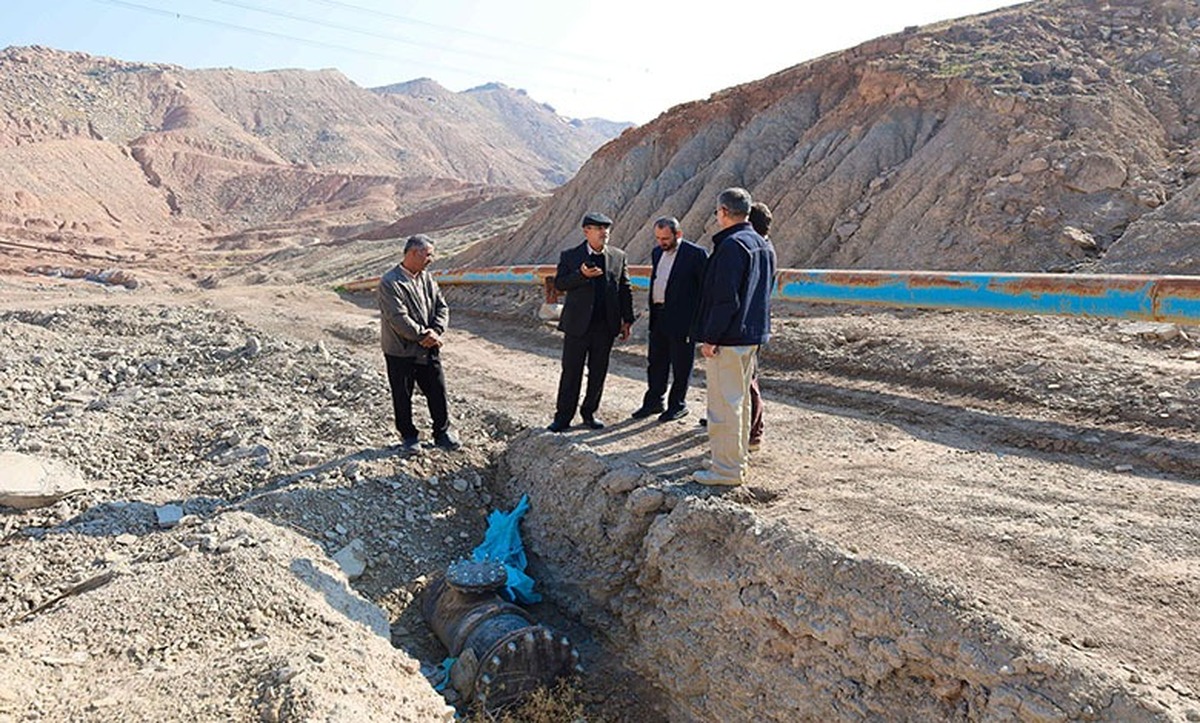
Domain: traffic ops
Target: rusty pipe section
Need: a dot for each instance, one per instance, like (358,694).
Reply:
(1114,296)
(501,653)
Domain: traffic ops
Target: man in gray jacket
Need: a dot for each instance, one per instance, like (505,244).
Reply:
(413,319)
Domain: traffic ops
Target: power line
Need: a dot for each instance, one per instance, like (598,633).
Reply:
(254,31)
(305,41)
(472,33)
(381,36)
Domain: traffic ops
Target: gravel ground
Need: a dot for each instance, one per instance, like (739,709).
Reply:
(234,441)
(224,468)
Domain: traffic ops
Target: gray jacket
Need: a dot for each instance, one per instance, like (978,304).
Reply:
(408,309)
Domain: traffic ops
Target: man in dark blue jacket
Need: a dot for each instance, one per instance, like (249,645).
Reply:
(598,308)
(734,318)
(675,279)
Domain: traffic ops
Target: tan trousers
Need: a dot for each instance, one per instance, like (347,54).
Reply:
(727,377)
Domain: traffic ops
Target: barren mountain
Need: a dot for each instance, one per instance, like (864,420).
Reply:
(93,150)
(508,129)
(1055,135)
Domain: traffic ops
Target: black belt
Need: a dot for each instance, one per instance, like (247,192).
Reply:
(658,303)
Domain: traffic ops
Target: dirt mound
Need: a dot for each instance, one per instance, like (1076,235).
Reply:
(118,609)
(735,614)
(232,618)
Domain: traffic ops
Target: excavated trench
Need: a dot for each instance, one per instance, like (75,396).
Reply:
(706,607)
(728,617)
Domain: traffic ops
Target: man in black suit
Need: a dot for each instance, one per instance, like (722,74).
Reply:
(598,308)
(675,280)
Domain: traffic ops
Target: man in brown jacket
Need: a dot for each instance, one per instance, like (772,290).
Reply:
(413,319)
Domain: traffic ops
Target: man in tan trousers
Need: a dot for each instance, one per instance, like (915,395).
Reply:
(734,318)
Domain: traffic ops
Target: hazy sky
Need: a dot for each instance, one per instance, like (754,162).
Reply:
(625,60)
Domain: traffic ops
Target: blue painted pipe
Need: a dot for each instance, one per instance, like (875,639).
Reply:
(1145,298)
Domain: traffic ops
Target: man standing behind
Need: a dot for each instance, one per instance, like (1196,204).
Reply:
(675,279)
(413,319)
(598,308)
(734,318)
(760,219)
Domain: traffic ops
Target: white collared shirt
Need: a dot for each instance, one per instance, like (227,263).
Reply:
(658,294)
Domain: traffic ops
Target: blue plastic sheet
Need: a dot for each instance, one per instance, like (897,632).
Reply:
(444,672)
(502,542)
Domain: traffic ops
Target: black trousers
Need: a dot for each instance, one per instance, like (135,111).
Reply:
(671,355)
(403,373)
(591,349)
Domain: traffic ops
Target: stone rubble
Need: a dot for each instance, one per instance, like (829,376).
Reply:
(235,481)
(27,482)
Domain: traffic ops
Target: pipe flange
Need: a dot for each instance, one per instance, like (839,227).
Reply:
(520,662)
(476,577)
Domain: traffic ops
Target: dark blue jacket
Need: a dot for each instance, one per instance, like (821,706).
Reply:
(677,315)
(735,301)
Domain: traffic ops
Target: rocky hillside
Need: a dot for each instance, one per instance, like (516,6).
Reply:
(96,149)
(518,135)
(1055,135)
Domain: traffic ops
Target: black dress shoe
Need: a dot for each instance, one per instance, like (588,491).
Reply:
(593,423)
(447,441)
(410,445)
(557,426)
(673,413)
(644,412)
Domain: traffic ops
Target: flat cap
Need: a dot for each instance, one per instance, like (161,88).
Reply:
(593,218)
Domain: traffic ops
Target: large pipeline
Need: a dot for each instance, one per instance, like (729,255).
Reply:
(1173,299)
(501,653)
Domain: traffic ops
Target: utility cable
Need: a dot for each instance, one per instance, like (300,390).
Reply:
(307,41)
(386,36)
(609,62)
